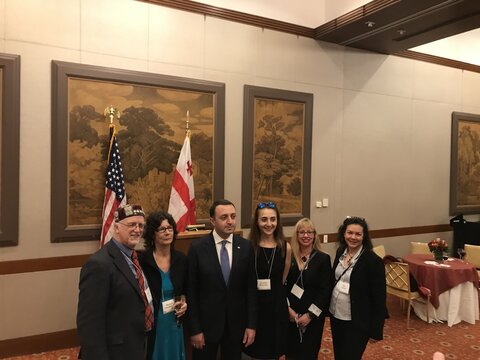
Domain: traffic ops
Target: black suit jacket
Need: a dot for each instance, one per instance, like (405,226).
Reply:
(211,303)
(317,284)
(111,311)
(368,293)
(178,276)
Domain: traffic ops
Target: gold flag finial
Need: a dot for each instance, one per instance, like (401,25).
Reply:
(187,130)
(111,113)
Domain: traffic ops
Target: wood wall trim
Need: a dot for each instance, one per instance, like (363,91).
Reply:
(405,231)
(76,261)
(42,264)
(414,55)
(39,343)
(236,16)
(356,14)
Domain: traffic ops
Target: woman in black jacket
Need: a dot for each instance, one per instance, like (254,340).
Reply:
(166,273)
(358,303)
(309,285)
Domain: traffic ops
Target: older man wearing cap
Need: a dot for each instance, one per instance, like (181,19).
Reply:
(115,309)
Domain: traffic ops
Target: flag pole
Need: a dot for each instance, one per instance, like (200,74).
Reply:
(114,182)
(182,204)
(187,130)
(110,113)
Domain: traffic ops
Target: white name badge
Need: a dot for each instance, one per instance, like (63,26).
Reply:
(343,287)
(149,295)
(263,284)
(297,291)
(315,310)
(168,306)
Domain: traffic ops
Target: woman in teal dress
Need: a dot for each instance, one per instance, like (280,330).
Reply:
(166,273)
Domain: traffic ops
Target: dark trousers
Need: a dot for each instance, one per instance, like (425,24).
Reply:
(349,342)
(230,349)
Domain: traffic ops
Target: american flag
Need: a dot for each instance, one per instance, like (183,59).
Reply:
(114,188)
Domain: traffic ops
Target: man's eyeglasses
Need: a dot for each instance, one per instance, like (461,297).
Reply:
(132,226)
(162,229)
(308,232)
(270,205)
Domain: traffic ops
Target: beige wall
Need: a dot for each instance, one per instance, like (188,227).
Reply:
(381,134)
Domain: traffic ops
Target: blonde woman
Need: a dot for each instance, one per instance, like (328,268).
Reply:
(309,285)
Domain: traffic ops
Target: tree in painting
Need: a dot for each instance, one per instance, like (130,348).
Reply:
(468,164)
(277,169)
(150,133)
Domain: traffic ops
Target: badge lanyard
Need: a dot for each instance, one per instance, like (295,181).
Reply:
(264,284)
(298,292)
(300,277)
(146,288)
(349,266)
(269,262)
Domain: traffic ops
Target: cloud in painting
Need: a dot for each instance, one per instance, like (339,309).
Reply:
(178,96)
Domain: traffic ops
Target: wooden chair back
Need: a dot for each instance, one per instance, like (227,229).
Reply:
(419,248)
(398,284)
(380,251)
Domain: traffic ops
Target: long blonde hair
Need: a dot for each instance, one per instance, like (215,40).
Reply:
(302,224)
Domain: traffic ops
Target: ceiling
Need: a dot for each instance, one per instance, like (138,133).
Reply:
(392,26)
(443,28)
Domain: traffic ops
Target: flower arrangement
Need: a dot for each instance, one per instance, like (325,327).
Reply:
(438,245)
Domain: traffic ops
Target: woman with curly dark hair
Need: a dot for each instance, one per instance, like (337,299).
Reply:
(166,273)
(358,303)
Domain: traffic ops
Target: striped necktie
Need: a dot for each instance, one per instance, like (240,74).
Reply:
(141,284)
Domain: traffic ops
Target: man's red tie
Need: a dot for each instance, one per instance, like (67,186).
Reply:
(141,284)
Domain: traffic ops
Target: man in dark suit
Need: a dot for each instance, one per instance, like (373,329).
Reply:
(221,290)
(112,316)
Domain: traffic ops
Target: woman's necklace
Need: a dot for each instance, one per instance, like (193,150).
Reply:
(305,255)
(349,257)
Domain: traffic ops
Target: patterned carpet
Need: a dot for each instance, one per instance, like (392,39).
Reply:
(462,341)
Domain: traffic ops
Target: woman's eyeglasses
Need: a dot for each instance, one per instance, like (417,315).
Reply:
(161,230)
(270,205)
(308,233)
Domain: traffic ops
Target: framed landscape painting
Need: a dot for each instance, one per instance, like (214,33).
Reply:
(9,147)
(277,152)
(150,132)
(465,164)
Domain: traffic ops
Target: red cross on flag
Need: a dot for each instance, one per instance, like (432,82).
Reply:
(182,198)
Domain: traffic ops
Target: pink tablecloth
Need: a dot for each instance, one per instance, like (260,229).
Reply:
(440,278)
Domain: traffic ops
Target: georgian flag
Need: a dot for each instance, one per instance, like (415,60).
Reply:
(182,198)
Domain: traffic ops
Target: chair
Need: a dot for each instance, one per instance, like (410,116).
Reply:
(398,284)
(472,255)
(419,248)
(380,251)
